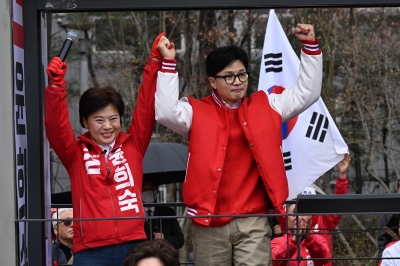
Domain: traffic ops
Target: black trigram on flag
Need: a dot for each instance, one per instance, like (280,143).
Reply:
(317,127)
(287,160)
(273,62)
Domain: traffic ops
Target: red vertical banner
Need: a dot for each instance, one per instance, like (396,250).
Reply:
(20,131)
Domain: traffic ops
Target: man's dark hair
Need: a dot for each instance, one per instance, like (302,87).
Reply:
(221,57)
(160,249)
(288,205)
(153,179)
(94,99)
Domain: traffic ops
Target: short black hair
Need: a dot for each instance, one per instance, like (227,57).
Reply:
(221,57)
(153,179)
(160,249)
(288,205)
(94,99)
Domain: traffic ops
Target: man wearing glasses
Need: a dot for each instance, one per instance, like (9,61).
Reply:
(63,229)
(235,164)
(312,246)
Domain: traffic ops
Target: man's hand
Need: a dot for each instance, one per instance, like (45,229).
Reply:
(343,165)
(277,230)
(166,48)
(306,224)
(305,32)
(304,227)
(158,236)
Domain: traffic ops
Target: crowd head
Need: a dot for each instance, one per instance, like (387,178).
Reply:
(152,253)
(63,225)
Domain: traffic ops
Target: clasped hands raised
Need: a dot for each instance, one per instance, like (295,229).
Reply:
(303,226)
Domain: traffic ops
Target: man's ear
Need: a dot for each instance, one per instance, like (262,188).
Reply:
(213,82)
(55,230)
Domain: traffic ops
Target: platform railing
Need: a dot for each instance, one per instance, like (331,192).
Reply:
(307,205)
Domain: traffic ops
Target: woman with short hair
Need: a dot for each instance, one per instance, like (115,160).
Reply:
(104,164)
(152,253)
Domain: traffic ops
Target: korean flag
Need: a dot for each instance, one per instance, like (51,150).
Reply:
(312,144)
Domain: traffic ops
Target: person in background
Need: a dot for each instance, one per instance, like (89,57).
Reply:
(235,164)
(275,227)
(388,231)
(311,245)
(61,251)
(326,224)
(104,164)
(152,253)
(323,225)
(389,253)
(167,229)
(392,250)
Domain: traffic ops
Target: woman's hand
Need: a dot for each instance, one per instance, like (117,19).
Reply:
(155,54)
(56,71)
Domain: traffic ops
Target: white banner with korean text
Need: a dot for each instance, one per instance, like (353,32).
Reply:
(20,131)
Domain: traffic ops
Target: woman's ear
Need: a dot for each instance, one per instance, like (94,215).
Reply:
(85,122)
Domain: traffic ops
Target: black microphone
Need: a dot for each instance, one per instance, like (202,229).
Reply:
(69,39)
(104,152)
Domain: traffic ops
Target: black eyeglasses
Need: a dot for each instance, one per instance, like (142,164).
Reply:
(230,79)
(66,223)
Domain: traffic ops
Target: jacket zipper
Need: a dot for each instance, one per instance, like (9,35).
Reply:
(112,203)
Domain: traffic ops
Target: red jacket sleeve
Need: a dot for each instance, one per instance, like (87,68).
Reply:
(342,186)
(279,246)
(331,221)
(315,244)
(318,248)
(58,128)
(143,116)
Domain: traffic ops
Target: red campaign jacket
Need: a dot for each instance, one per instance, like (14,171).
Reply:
(207,143)
(314,246)
(325,221)
(330,221)
(100,189)
(389,255)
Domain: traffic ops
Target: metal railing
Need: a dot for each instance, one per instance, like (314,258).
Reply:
(303,208)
